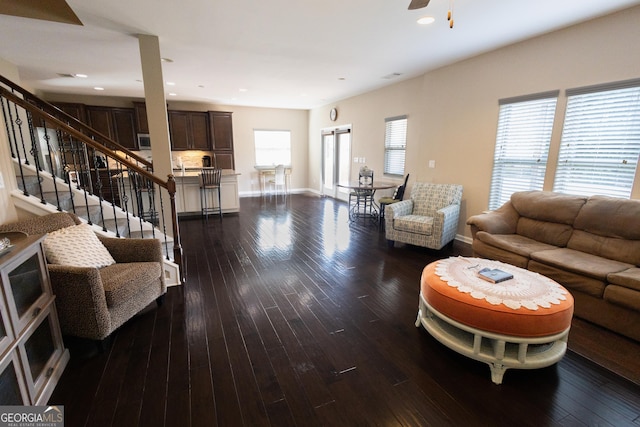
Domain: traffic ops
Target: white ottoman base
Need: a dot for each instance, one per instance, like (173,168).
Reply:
(500,352)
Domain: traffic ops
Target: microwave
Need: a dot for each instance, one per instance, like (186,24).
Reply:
(144,142)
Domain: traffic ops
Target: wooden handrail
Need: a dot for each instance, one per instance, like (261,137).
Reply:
(56,112)
(37,108)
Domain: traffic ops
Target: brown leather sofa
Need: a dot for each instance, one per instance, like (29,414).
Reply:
(590,245)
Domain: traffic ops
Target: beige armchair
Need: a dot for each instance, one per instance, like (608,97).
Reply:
(93,302)
(428,218)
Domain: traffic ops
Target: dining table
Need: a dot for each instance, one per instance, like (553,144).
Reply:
(365,206)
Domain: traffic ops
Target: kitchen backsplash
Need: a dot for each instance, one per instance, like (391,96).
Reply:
(190,158)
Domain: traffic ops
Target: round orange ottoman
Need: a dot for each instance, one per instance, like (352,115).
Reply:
(520,323)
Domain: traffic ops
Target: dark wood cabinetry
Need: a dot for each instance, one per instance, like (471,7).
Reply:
(222,136)
(142,125)
(116,123)
(75,110)
(124,127)
(189,130)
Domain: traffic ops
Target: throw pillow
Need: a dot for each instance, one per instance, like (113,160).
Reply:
(76,246)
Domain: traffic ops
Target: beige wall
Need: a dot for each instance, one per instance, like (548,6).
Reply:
(7,210)
(453,111)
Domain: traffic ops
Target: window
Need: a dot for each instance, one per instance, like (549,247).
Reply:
(522,145)
(600,140)
(273,147)
(395,145)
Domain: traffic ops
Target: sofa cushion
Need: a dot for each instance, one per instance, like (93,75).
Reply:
(581,263)
(543,231)
(123,281)
(515,243)
(575,282)
(417,224)
(626,251)
(548,206)
(627,279)
(595,217)
(623,297)
(483,250)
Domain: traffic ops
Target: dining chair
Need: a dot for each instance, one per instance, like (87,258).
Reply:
(361,199)
(278,179)
(398,194)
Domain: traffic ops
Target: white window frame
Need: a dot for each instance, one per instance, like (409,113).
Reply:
(395,145)
(523,137)
(272,147)
(600,140)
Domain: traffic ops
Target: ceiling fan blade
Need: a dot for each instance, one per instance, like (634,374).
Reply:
(418,4)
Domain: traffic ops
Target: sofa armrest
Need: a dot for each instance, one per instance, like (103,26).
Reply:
(133,250)
(80,300)
(405,207)
(445,223)
(504,220)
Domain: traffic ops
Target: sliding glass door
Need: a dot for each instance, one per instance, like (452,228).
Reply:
(336,155)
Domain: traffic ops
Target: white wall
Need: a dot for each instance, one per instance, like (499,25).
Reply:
(453,111)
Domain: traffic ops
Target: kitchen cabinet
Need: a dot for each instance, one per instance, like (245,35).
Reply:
(189,130)
(32,354)
(142,125)
(222,138)
(75,110)
(116,123)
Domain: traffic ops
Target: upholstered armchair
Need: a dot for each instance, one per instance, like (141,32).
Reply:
(94,301)
(428,218)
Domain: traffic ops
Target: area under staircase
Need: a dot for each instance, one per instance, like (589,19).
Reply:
(61,164)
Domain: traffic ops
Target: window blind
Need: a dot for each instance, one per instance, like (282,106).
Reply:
(395,145)
(600,141)
(272,147)
(522,145)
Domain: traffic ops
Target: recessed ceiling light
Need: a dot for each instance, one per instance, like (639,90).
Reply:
(171,84)
(81,76)
(166,59)
(426,20)
(172,94)
(242,89)
(98,88)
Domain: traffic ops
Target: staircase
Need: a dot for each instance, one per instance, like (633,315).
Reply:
(55,156)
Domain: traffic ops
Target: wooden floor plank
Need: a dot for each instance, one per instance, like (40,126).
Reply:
(291,316)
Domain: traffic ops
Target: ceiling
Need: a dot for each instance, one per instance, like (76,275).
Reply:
(276,53)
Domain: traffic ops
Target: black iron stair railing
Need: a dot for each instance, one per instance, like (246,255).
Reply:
(66,163)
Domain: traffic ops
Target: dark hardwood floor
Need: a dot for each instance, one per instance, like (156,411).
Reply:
(292,317)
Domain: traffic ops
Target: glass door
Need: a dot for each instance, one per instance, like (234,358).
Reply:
(336,164)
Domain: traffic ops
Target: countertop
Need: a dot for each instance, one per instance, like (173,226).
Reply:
(194,172)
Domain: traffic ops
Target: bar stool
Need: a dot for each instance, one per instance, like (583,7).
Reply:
(210,180)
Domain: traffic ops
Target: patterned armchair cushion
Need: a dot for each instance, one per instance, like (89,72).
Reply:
(429,198)
(415,224)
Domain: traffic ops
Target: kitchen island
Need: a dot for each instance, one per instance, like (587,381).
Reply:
(188,191)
